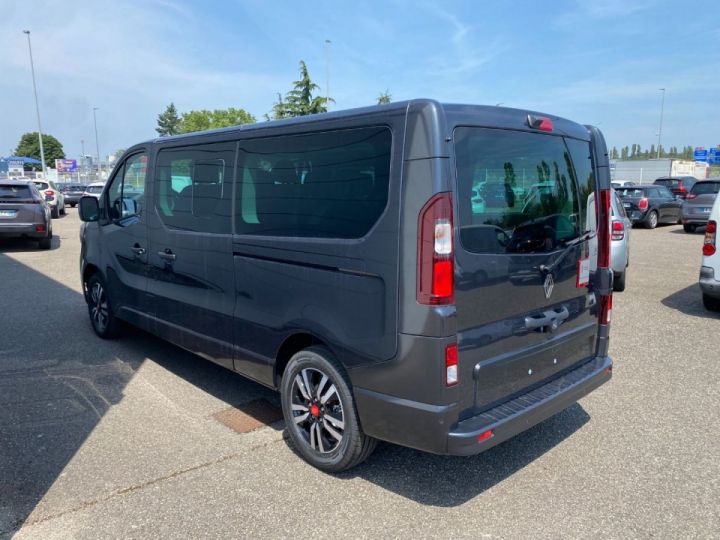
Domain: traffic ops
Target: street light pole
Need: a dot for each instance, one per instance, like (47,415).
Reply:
(37,106)
(662,110)
(327,72)
(97,144)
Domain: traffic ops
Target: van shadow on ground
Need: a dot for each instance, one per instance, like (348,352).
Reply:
(57,381)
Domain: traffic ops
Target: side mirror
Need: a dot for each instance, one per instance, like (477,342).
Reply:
(88,209)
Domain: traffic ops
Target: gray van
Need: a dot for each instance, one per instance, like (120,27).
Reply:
(346,260)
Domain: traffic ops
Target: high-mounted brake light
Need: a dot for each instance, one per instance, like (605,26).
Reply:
(540,122)
(451,365)
(435,252)
(710,237)
(643,204)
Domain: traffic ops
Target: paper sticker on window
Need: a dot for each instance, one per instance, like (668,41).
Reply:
(583,273)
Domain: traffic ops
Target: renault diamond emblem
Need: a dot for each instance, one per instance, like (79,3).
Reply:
(548,286)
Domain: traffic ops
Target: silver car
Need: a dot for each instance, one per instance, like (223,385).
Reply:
(698,203)
(24,213)
(620,227)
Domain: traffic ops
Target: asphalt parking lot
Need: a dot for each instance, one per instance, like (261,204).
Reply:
(124,439)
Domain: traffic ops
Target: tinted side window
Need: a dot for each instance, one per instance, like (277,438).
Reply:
(518,192)
(194,185)
(665,192)
(126,195)
(331,184)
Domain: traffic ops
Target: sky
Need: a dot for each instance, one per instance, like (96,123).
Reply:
(596,62)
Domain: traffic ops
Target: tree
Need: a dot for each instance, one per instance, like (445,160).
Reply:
(168,121)
(624,152)
(218,118)
(384,98)
(300,100)
(29,146)
(653,151)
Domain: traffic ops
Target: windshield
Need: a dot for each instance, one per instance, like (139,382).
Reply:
(518,192)
(41,185)
(704,188)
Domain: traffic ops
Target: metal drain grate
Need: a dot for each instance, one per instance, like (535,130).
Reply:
(249,416)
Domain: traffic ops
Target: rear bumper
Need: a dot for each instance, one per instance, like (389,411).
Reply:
(434,428)
(708,284)
(13,230)
(523,412)
(695,219)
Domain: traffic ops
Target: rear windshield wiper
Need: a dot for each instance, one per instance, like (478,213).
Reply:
(567,244)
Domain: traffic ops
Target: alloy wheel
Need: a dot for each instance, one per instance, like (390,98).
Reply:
(98,307)
(317,410)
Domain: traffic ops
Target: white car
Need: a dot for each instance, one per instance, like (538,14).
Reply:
(53,197)
(94,189)
(710,269)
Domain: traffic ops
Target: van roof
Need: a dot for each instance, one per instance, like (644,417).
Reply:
(455,114)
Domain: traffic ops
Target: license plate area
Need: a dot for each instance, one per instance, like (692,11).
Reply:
(8,214)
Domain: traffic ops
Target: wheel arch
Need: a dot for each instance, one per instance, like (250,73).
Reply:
(291,345)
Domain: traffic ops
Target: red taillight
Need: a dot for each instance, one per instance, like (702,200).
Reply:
(39,228)
(606,309)
(604,225)
(643,204)
(681,187)
(691,196)
(435,252)
(618,230)
(49,193)
(709,242)
(451,365)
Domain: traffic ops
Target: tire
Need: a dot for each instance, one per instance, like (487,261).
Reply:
(710,303)
(73,205)
(54,212)
(45,243)
(62,210)
(689,228)
(619,282)
(105,324)
(651,221)
(313,435)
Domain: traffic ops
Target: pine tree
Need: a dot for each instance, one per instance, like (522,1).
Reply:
(168,121)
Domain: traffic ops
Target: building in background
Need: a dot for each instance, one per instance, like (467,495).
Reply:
(645,171)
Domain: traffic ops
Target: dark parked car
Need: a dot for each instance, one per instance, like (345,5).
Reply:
(72,193)
(24,213)
(650,205)
(678,185)
(339,259)
(698,203)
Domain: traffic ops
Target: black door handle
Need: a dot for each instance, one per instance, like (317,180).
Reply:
(168,255)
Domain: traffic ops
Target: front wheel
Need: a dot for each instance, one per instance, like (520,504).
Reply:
(320,413)
(102,318)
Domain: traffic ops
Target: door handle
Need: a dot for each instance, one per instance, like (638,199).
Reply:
(138,249)
(168,255)
(550,318)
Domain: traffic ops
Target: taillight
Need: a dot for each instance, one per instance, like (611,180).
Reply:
(606,309)
(618,230)
(604,250)
(643,204)
(604,225)
(39,228)
(710,235)
(681,187)
(49,193)
(691,196)
(435,252)
(451,365)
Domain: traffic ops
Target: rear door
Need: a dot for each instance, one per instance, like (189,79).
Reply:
(525,311)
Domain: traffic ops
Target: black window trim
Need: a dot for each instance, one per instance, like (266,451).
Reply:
(118,169)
